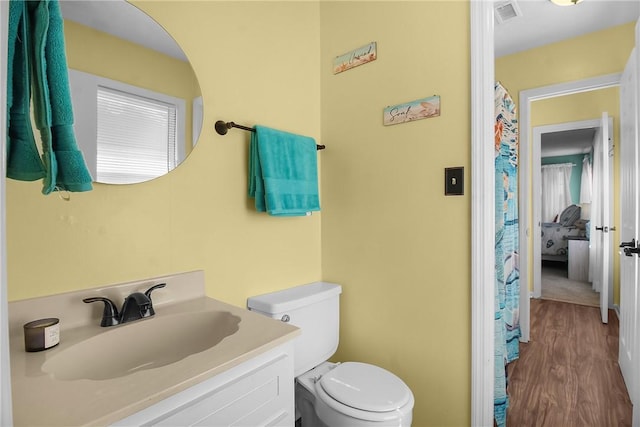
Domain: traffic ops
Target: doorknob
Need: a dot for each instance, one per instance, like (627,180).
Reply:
(631,244)
(599,228)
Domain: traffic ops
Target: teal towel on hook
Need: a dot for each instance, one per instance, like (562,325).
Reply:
(283,173)
(36,43)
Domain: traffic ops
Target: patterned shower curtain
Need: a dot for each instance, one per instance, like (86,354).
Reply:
(507,281)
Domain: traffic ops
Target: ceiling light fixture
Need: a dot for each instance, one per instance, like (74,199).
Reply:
(566,2)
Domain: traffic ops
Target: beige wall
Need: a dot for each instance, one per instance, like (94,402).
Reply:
(104,55)
(599,53)
(108,56)
(256,63)
(400,247)
(595,54)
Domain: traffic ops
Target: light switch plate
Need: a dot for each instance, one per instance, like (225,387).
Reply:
(454,181)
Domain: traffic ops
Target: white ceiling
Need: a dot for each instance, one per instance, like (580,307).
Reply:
(567,142)
(543,22)
(121,19)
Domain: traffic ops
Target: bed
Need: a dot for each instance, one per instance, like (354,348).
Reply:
(554,244)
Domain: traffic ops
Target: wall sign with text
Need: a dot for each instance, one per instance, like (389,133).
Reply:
(356,57)
(415,110)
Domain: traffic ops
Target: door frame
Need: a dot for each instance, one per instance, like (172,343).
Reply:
(636,414)
(525,179)
(482,209)
(6,418)
(482,212)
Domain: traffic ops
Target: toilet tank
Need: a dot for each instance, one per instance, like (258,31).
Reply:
(315,309)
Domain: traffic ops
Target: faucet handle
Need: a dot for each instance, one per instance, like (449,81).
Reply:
(148,294)
(110,312)
(153,288)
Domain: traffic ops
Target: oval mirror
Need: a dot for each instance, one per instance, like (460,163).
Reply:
(136,100)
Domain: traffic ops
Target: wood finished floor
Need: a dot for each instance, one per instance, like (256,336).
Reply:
(568,374)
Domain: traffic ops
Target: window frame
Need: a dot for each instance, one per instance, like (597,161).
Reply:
(84,88)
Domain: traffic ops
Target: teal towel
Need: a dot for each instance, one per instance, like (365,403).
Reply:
(256,182)
(41,48)
(283,173)
(23,158)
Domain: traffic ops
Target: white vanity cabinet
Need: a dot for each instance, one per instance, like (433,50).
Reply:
(258,392)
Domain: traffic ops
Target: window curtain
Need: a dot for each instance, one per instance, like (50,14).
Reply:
(586,181)
(556,190)
(507,281)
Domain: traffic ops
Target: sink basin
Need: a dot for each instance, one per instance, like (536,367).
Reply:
(144,344)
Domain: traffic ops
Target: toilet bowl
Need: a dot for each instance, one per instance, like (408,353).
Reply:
(353,394)
(349,394)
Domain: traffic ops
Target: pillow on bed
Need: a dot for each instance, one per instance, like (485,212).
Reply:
(581,224)
(570,215)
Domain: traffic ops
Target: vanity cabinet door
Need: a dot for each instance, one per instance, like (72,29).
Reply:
(258,392)
(246,401)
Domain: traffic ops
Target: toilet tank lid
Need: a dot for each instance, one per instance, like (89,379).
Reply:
(292,298)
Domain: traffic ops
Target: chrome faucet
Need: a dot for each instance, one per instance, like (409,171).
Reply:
(136,306)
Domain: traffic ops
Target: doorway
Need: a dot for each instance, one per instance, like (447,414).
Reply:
(533,101)
(564,257)
(483,78)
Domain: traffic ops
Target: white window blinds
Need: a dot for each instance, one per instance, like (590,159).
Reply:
(137,137)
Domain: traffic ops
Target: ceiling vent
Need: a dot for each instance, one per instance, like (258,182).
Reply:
(506,10)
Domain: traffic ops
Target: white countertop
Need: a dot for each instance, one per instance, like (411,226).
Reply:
(40,399)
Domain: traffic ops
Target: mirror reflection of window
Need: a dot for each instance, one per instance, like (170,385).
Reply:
(140,133)
(136,137)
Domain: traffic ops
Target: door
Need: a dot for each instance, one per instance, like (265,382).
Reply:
(627,356)
(600,235)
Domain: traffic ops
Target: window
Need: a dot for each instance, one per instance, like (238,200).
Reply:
(136,137)
(127,134)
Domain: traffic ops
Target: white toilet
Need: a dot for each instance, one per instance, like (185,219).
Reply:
(349,394)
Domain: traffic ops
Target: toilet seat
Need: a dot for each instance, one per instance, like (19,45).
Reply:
(364,391)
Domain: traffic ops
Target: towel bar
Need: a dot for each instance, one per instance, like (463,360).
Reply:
(223,127)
